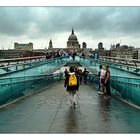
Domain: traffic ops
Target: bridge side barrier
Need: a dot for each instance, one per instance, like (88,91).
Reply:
(120,66)
(123,87)
(20,86)
(124,61)
(24,66)
(23,59)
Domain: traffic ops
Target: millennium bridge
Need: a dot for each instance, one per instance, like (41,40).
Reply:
(33,98)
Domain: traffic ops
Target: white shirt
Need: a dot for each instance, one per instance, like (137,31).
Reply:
(102,73)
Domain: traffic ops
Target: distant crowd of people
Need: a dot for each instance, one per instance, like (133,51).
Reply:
(50,55)
(70,53)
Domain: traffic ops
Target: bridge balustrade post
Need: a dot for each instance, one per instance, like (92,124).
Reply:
(23,66)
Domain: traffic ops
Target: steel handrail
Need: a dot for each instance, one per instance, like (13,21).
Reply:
(35,78)
(93,75)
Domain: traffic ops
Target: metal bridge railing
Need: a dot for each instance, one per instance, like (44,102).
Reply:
(120,66)
(11,88)
(19,60)
(129,62)
(127,88)
(28,65)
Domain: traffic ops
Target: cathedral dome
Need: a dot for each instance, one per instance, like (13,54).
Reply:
(72,36)
(72,41)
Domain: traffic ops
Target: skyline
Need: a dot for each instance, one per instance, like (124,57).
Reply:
(110,25)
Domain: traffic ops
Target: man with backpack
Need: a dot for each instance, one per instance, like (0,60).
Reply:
(72,85)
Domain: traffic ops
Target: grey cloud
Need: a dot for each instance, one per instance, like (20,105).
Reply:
(14,20)
(112,21)
(99,22)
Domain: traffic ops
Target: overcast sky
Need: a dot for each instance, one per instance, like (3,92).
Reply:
(92,25)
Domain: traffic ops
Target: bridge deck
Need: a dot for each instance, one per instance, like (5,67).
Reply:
(49,112)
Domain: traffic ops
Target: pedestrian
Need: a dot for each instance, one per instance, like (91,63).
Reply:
(101,76)
(85,74)
(107,83)
(73,56)
(72,86)
(66,73)
(80,76)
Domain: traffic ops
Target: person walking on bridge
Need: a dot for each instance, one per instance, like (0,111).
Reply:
(85,75)
(72,86)
(101,76)
(107,83)
(66,73)
(73,56)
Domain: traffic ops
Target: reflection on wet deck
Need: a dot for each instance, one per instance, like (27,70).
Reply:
(49,112)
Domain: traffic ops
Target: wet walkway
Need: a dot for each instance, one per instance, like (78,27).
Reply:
(49,112)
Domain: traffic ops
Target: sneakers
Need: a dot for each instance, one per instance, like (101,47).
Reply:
(100,92)
(73,106)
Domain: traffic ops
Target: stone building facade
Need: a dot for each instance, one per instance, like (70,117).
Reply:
(73,41)
(27,47)
(50,44)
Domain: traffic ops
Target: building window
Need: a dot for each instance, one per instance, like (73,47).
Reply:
(73,44)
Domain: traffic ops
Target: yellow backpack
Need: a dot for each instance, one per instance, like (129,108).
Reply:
(73,80)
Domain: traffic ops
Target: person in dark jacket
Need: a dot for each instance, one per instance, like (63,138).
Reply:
(72,89)
(107,83)
(80,76)
(85,74)
(66,73)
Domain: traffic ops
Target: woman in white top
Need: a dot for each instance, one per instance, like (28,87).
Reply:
(101,76)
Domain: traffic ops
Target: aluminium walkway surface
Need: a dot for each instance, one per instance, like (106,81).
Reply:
(49,112)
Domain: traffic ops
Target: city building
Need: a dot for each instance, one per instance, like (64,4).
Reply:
(139,53)
(102,52)
(50,44)
(72,45)
(136,54)
(84,45)
(100,46)
(26,50)
(8,54)
(27,47)
(73,41)
(124,51)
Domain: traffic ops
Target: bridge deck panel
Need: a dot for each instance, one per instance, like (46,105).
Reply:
(49,112)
